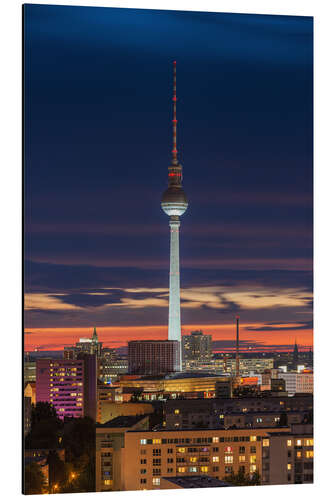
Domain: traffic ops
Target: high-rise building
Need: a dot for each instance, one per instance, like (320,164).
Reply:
(89,385)
(60,382)
(197,347)
(174,204)
(153,357)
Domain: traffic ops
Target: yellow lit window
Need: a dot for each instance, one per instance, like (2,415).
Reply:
(181,469)
(299,442)
(215,439)
(107,481)
(299,454)
(253,468)
(253,459)
(222,416)
(241,458)
(181,450)
(193,459)
(177,412)
(288,442)
(253,438)
(309,454)
(309,442)
(289,466)
(204,468)
(216,459)
(265,442)
(228,459)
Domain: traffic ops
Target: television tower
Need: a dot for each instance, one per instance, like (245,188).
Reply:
(237,346)
(174,204)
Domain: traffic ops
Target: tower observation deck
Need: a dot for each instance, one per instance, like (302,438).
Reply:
(174,204)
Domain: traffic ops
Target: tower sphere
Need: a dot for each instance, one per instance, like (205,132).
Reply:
(174,201)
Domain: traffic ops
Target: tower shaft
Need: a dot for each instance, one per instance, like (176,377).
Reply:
(237,346)
(174,330)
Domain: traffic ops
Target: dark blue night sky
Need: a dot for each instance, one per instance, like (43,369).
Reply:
(98,88)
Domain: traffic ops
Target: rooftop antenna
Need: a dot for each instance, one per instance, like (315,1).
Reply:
(174,120)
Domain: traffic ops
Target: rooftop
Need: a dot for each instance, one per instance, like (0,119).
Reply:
(123,421)
(196,482)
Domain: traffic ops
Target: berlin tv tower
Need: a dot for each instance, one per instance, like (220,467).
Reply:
(174,203)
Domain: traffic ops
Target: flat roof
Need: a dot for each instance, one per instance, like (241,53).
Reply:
(123,421)
(196,482)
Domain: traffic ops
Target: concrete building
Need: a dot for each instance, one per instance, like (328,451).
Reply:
(85,345)
(138,459)
(108,410)
(211,413)
(176,385)
(27,415)
(60,382)
(196,347)
(110,369)
(29,371)
(289,457)
(153,357)
(174,204)
(297,382)
(89,384)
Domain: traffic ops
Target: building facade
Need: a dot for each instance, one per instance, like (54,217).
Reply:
(60,382)
(153,357)
(138,459)
(196,347)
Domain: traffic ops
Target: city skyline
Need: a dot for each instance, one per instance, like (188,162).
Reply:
(97,245)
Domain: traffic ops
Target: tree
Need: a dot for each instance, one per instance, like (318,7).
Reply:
(242,479)
(34,481)
(57,469)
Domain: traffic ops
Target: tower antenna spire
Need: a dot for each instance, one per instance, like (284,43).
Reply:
(174,120)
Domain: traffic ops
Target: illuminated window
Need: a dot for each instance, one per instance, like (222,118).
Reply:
(289,466)
(157,441)
(193,459)
(107,481)
(228,459)
(177,412)
(241,458)
(222,416)
(181,469)
(299,454)
(181,450)
(253,468)
(288,442)
(204,468)
(309,442)
(216,459)
(143,441)
(265,442)
(253,459)
(215,439)
(253,438)
(156,481)
(309,454)
(193,469)
(299,442)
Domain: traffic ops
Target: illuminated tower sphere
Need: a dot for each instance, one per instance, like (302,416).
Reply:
(174,204)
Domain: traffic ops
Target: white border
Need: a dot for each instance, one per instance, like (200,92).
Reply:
(10,199)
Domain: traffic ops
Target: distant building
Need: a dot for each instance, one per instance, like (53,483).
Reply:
(29,371)
(60,382)
(109,368)
(153,357)
(223,389)
(295,361)
(197,347)
(85,345)
(298,382)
